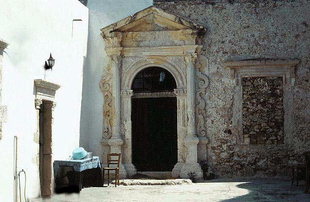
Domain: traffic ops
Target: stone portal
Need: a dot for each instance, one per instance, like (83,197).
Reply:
(153,38)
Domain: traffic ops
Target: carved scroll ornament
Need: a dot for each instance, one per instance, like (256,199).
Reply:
(201,111)
(108,108)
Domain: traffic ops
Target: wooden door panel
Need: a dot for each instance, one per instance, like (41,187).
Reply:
(154,133)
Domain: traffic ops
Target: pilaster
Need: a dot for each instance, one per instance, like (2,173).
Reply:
(126,131)
(191,140)
(116,141)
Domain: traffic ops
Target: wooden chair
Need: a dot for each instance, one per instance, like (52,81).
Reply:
(113,165)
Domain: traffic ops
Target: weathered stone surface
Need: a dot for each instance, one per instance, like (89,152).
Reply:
(245,29)
(263,113)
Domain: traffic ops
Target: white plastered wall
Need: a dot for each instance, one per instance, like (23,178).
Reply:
(101,14)
(33,29)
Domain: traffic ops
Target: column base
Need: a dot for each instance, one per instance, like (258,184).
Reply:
(122,172)
(175,173)
(191,169)
(202,149)
(130,169)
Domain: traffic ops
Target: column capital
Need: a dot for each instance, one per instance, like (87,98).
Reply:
(115,58)
(180,92)
(190,58)
(37,103)
(127,93)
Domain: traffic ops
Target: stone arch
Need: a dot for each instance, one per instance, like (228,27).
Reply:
(134,69)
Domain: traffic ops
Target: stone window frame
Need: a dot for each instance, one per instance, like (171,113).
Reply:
(263,68)
(3,108)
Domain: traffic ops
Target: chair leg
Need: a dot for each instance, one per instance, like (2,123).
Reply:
(108,177)
(115,177)
(103,178)
(118,177)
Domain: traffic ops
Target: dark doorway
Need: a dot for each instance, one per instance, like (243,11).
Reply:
(45,141)
(154,121)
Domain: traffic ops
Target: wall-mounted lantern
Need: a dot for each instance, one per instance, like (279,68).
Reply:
(49,63)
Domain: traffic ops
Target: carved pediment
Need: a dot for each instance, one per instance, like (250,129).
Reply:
(152,22)
(150,19)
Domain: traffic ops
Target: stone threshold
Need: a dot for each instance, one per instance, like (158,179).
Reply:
(131,182)
(153,175)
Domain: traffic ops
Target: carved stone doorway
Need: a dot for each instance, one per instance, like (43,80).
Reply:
(153,38)
(154,120)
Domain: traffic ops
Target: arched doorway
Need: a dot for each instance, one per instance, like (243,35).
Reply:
(154,120)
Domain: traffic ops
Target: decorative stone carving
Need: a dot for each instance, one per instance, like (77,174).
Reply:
(190,59)
(202,83)
(180,92)
(108,108)
(151,38)
(127,93)
(37,103)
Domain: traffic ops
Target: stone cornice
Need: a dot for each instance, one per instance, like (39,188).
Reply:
(45,84)
(45,90)
(263,67)
(149,51)
(261,63)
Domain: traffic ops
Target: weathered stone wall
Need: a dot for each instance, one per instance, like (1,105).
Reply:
(246,30)
(262,111)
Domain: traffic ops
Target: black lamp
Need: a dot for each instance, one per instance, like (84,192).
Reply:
(49,63)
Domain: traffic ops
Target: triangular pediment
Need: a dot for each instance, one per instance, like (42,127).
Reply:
(150,19)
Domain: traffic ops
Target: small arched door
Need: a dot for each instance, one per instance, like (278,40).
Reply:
(154,120)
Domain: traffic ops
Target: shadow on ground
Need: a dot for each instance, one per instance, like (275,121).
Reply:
(269,190)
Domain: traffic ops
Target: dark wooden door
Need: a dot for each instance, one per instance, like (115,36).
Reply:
(154,133)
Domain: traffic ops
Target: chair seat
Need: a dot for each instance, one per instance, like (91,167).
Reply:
(108,168)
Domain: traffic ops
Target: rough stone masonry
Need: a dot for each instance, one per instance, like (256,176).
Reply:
(251,30)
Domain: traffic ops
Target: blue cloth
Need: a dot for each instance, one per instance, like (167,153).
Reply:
(77,165)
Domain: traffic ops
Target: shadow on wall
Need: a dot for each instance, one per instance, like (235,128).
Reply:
(101,14)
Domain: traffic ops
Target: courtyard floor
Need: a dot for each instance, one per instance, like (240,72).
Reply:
(212,190)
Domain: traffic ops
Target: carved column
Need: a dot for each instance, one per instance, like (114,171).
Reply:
(191,140)
(181,125)
(116,141)
(126,131)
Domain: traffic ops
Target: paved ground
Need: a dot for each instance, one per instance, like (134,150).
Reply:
(214,190)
